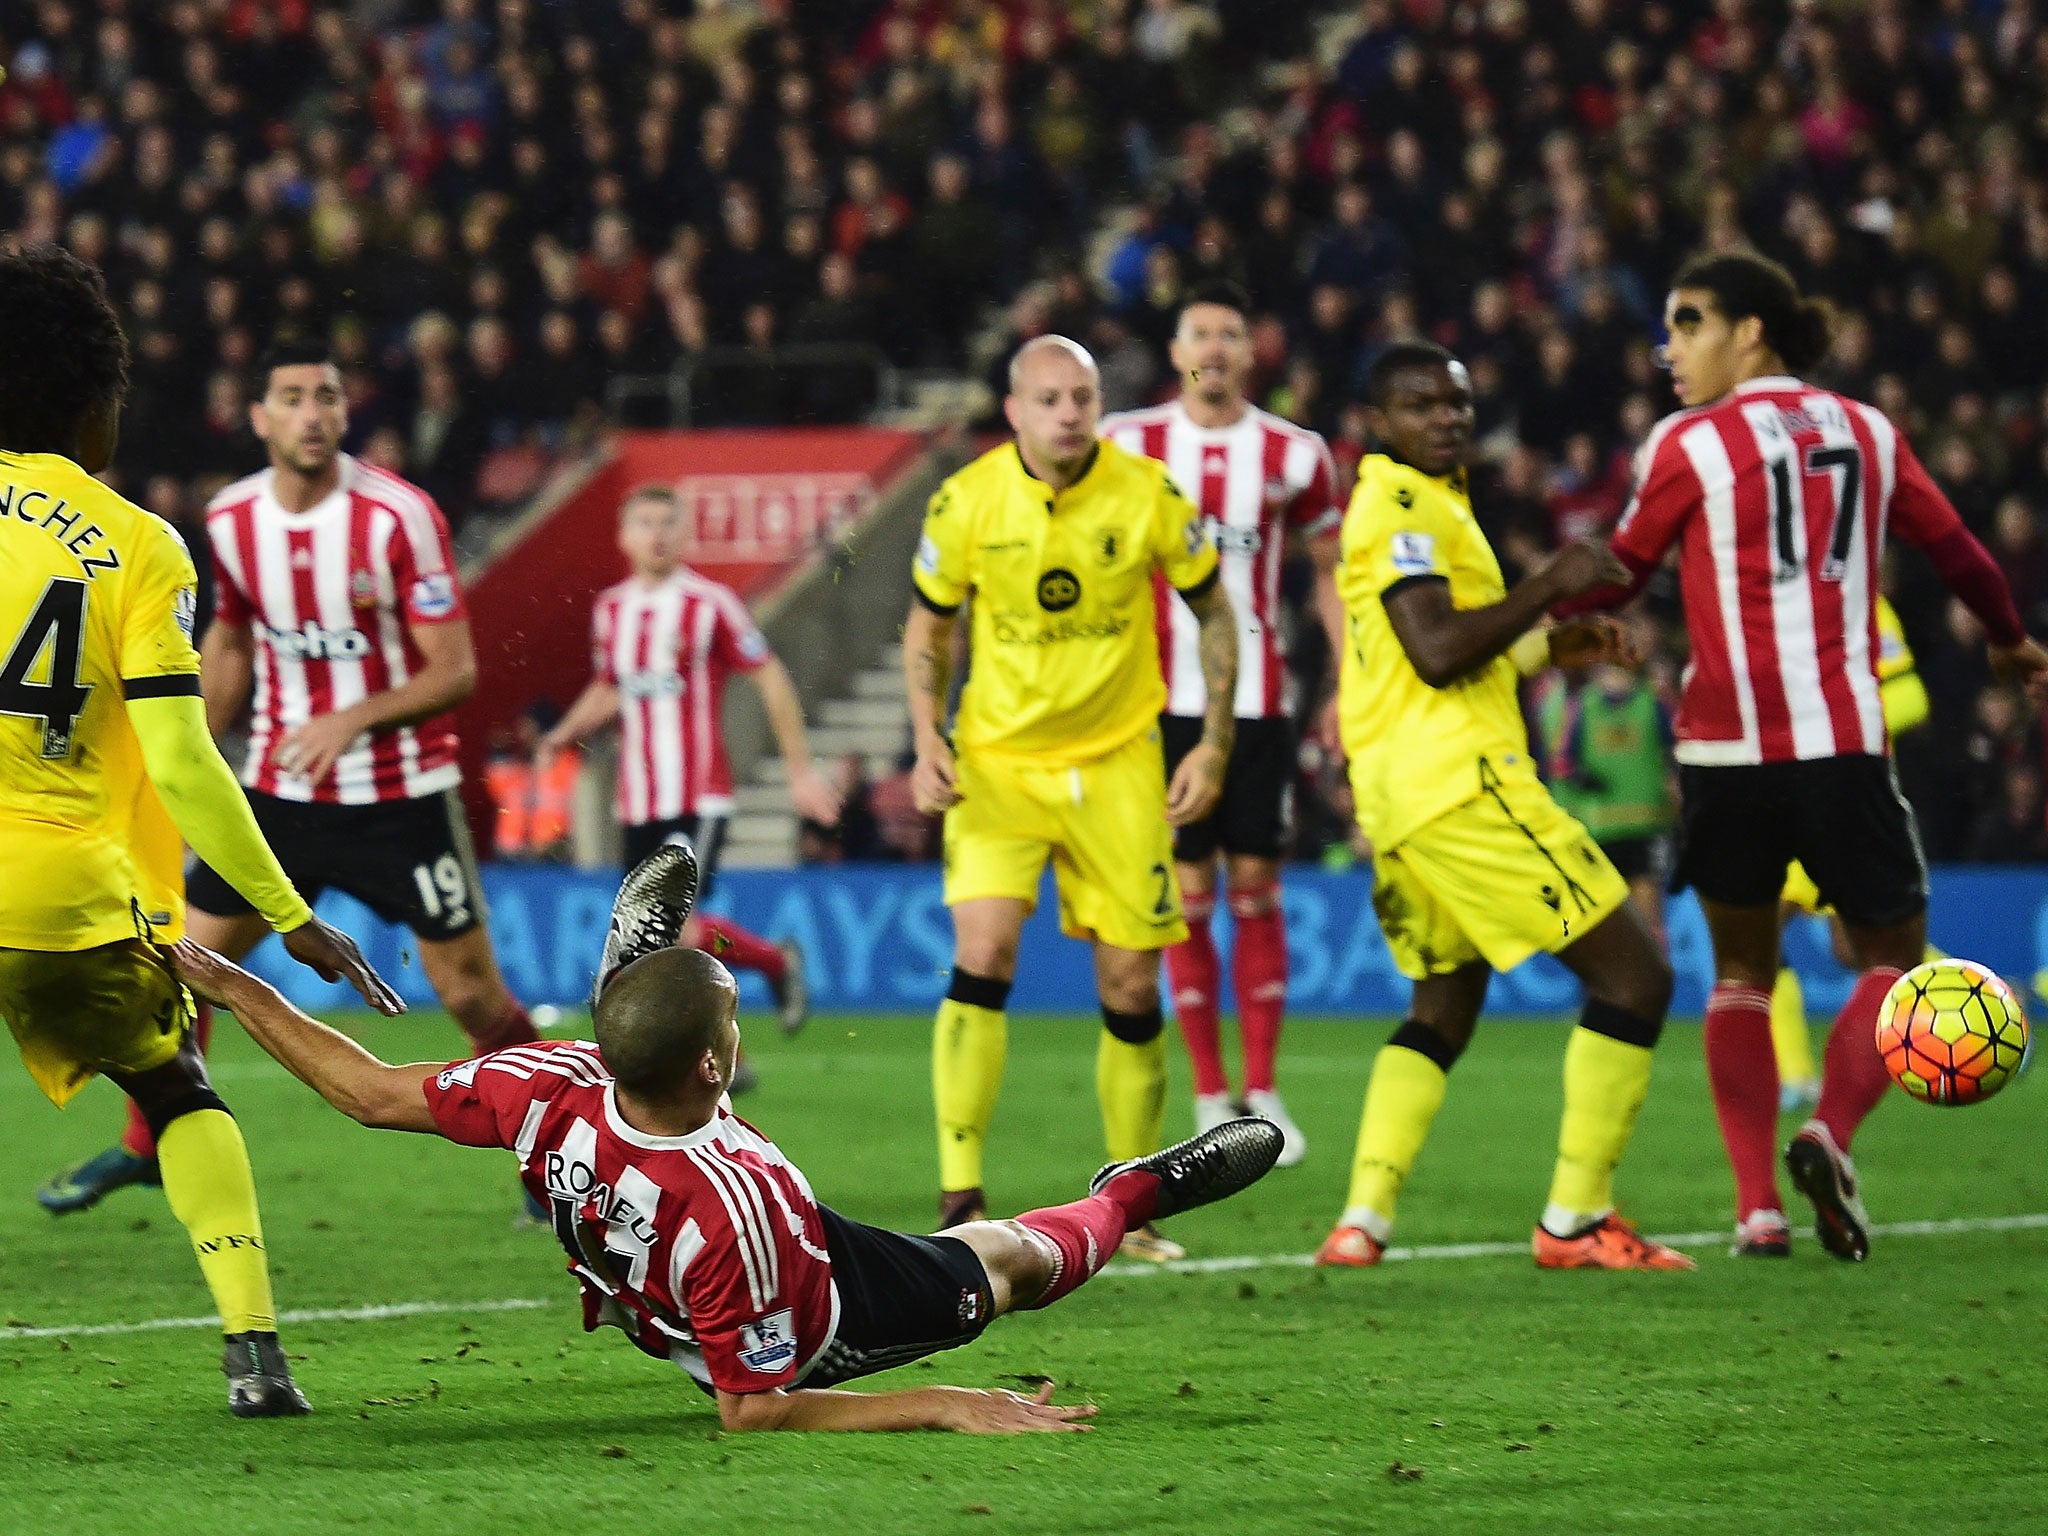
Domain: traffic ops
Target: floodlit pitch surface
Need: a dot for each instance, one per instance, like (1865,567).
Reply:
(1450,1392)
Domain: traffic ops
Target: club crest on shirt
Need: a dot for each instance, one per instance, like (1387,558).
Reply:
(769,1346)
(362,589)
(1058,590)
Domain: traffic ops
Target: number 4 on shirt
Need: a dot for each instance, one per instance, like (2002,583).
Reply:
(55,628)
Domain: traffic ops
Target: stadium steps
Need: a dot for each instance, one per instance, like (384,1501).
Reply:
(870,719)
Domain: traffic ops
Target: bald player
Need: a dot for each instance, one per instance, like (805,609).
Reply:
(1055,752)
(689,1230)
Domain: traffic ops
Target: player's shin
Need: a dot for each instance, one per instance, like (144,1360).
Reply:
(1789,1039)
(1606,1078)
(212,1191)
(1130,1082)
(1081,1236)
(735,946)
(1853,1075)
(969,1042)
(1258,966)
(1743,1074)
(1401,1102)
(1194,973)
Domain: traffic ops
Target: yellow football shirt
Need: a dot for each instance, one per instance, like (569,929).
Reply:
(1415,749)
(97,601)
(1065,654)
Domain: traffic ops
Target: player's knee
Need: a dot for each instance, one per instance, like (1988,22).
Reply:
(986,956)
(1135,1026)
(978,991)
(1251,901)
(1019,1262)
(1440,1045)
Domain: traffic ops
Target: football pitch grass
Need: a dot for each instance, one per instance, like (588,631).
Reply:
(1446,1393)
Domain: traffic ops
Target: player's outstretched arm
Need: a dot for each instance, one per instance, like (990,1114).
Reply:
(927,678)
(808,792)
(964,1409)
(213,815)
(325,1060)
(1445,642)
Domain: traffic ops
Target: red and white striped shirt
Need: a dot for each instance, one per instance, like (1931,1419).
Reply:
(706,1249)
(332,595)
(1254,480)
(669,649)
(1779,496)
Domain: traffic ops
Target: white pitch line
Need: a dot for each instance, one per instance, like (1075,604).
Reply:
(376,1314)
(1221,1265)
(1227,1264)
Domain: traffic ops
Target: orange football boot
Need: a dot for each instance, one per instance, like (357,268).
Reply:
(1609,1243)
(1351,1248)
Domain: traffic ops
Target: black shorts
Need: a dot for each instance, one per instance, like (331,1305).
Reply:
(1258,790)
(704,834)
(409,861)
(900,1298)
(1841,817)
(1635,858)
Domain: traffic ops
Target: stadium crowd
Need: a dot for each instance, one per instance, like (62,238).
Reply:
(494,206)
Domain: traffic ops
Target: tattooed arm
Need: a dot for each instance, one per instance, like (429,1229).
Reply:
(927,676)
(1198,781)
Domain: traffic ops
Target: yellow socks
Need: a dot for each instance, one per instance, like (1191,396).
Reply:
(211,1190)
(1401,1102)
(1130,1082)
(1606,1077)
(1789,1040)
(968,1045)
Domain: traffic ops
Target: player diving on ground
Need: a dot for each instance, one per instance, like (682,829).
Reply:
(689,1230)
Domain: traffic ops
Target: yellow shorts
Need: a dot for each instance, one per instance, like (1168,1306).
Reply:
(1496,879)
(77,1013)
(1103,825)
(1801,892)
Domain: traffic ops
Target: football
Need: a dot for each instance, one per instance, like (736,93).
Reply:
(1952,1032)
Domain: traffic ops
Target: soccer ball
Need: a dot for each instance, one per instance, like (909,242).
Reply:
(1951,1032)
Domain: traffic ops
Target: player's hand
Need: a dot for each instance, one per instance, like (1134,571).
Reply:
(1594,639)
(2024,665)
(814,799)
(1197,783)
(1001,1412)
(935,780)
(310,751)
(210,977)
(1583,566)
(332,956)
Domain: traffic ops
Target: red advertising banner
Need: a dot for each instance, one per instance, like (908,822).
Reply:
(759,503)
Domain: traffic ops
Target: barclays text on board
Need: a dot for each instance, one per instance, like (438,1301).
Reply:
(878,941)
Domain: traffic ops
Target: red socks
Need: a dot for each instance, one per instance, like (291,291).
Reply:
(1195,973)
(511,1026)
(1742,1069)
(1087,1232)
(732,944)
(1853,1075)
(1258,965)
(136,1139)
